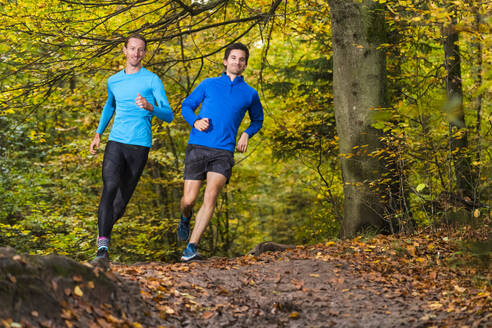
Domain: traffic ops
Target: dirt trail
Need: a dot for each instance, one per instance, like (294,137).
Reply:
(391,281)
(296,293)
(298,288)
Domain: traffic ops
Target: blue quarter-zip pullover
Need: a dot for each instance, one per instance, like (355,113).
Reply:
(224,103)
(133,125)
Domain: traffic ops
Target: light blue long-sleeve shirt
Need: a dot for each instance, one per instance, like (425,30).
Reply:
(224,103)
(133,125)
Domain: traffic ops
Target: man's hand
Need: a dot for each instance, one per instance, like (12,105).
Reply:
(143,103)
(95,144)
(242,144)
(201,124)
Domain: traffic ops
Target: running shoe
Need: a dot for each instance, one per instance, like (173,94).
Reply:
(102,258)
(189,253)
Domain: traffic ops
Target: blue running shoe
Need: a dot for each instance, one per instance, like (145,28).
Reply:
(184,227)
(189,253)
(102,258)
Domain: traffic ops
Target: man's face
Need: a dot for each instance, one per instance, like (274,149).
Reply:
(134,51)
(236,62)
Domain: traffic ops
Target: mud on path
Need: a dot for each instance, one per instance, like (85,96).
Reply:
(308,287)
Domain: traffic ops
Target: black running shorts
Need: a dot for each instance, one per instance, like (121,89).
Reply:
(200,159)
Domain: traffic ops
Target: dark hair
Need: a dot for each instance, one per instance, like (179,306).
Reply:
(236,46)
(136,36)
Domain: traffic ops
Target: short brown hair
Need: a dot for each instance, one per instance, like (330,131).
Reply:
(136,36)
(236,46)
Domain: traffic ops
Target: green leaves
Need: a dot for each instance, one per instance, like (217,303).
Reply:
(420,187)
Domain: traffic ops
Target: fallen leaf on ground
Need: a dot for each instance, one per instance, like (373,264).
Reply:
(77,291)
(207,315)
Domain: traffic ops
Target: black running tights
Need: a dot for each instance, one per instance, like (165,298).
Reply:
(122,167)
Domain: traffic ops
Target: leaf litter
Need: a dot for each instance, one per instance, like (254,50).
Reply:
(422,280)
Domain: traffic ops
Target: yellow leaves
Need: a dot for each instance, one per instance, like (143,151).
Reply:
(294,315)
(476,213)
(435,306)
(483,294)
(36,136)
(7,111)
(167,309)
(428,317)
(314,275)
(67,314)
(323,257)
(361,146)
(378,152)
(78,291)
(145,294)
(347,156)
(384,45)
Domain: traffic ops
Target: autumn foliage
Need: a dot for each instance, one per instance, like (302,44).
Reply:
(55,56)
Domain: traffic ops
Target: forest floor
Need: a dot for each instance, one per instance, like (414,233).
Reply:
(424,280)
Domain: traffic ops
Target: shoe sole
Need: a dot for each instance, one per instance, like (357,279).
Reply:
(196,257)
(188,258)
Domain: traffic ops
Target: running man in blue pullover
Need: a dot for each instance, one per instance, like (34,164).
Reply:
(135,96)
(209,155)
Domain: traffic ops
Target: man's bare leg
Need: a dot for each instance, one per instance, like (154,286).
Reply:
(215,182)
(190,193)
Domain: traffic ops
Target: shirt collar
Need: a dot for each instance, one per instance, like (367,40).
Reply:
(237,80)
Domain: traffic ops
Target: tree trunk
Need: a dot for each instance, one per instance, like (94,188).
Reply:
(457,125)
(477,44)
(359,86)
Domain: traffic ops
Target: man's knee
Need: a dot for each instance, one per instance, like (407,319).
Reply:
(187,201)
(110,190)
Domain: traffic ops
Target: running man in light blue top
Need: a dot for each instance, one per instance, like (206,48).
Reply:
(135,96)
